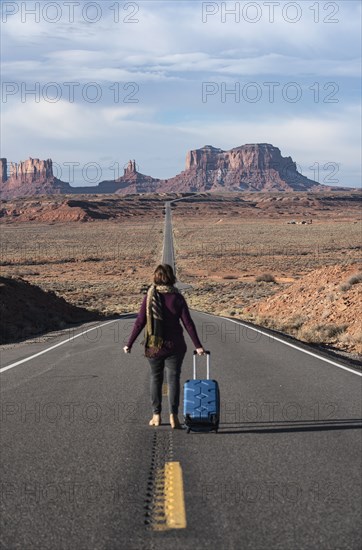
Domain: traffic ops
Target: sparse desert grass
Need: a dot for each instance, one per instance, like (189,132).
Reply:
(252,247)
(246,249)
(355,279)
(266,278)
(316,334)
(227,297)
(291,325)
(321,334)
(105,265)
(101,266)
(208,252)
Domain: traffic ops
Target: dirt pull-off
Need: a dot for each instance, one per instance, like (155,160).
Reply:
(324,306)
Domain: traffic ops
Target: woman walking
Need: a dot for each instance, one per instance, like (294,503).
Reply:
(165,346)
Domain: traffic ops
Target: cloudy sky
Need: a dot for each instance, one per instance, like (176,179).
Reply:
(94,84)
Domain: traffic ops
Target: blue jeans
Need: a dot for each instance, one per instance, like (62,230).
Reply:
(172,363)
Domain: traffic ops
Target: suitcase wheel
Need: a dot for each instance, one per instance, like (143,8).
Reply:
(188,430)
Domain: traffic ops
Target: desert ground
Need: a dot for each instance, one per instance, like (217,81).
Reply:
(289,262)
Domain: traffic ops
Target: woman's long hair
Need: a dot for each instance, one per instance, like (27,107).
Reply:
(164,275)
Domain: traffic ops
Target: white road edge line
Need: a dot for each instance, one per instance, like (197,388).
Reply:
(203,313)
(55,346)
(286,343)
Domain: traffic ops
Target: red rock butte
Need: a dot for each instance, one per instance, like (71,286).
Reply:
(251,167)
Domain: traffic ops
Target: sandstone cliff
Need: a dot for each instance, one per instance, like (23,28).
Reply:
(30,177)
(253,167)
(35,177)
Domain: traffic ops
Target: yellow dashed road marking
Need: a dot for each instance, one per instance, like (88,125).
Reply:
(169,503)
(174,501)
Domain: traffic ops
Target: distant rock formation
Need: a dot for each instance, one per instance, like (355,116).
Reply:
(31,170)
(252,167)
(35,177)
(131,182)
(135,182)
(130,168)
(30,177)
(4,170)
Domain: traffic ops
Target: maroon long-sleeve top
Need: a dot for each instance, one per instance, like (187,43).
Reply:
(174,309)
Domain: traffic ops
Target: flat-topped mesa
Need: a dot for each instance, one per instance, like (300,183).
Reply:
(202,158)
(251,167)
(254,167)
(30,177)
(257,156)
(32,170)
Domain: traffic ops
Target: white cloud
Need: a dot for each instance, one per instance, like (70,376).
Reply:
(90,134)
(169,53)
(68,121)
(307,140)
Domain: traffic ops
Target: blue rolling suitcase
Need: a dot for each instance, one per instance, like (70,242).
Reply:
(201,401)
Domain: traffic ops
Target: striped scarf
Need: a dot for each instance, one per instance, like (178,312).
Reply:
(154,316)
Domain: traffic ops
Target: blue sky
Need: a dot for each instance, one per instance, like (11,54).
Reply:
(149,80)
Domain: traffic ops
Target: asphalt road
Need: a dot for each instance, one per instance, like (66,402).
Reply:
(283,472)
(168,250)
(79,461)
(168,254)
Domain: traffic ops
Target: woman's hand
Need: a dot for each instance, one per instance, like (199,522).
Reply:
(200,351)
(126,349)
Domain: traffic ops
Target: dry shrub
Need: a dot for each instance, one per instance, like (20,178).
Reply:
(353,341)
(290,326)
(321,334)
(294,323)
(358,337)
(263,321)
(269,322)
(27,272)
(265,277)
(357,278)
(344,287)
(353,280)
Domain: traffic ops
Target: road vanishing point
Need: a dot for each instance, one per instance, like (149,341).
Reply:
(81,468)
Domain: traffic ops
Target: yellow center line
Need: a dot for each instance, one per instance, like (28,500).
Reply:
(175,501)
(165,388)
(169,502)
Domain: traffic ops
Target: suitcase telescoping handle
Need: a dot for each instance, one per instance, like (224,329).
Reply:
(207,353)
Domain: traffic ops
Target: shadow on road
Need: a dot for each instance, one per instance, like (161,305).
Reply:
(127,316)
(288,427)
